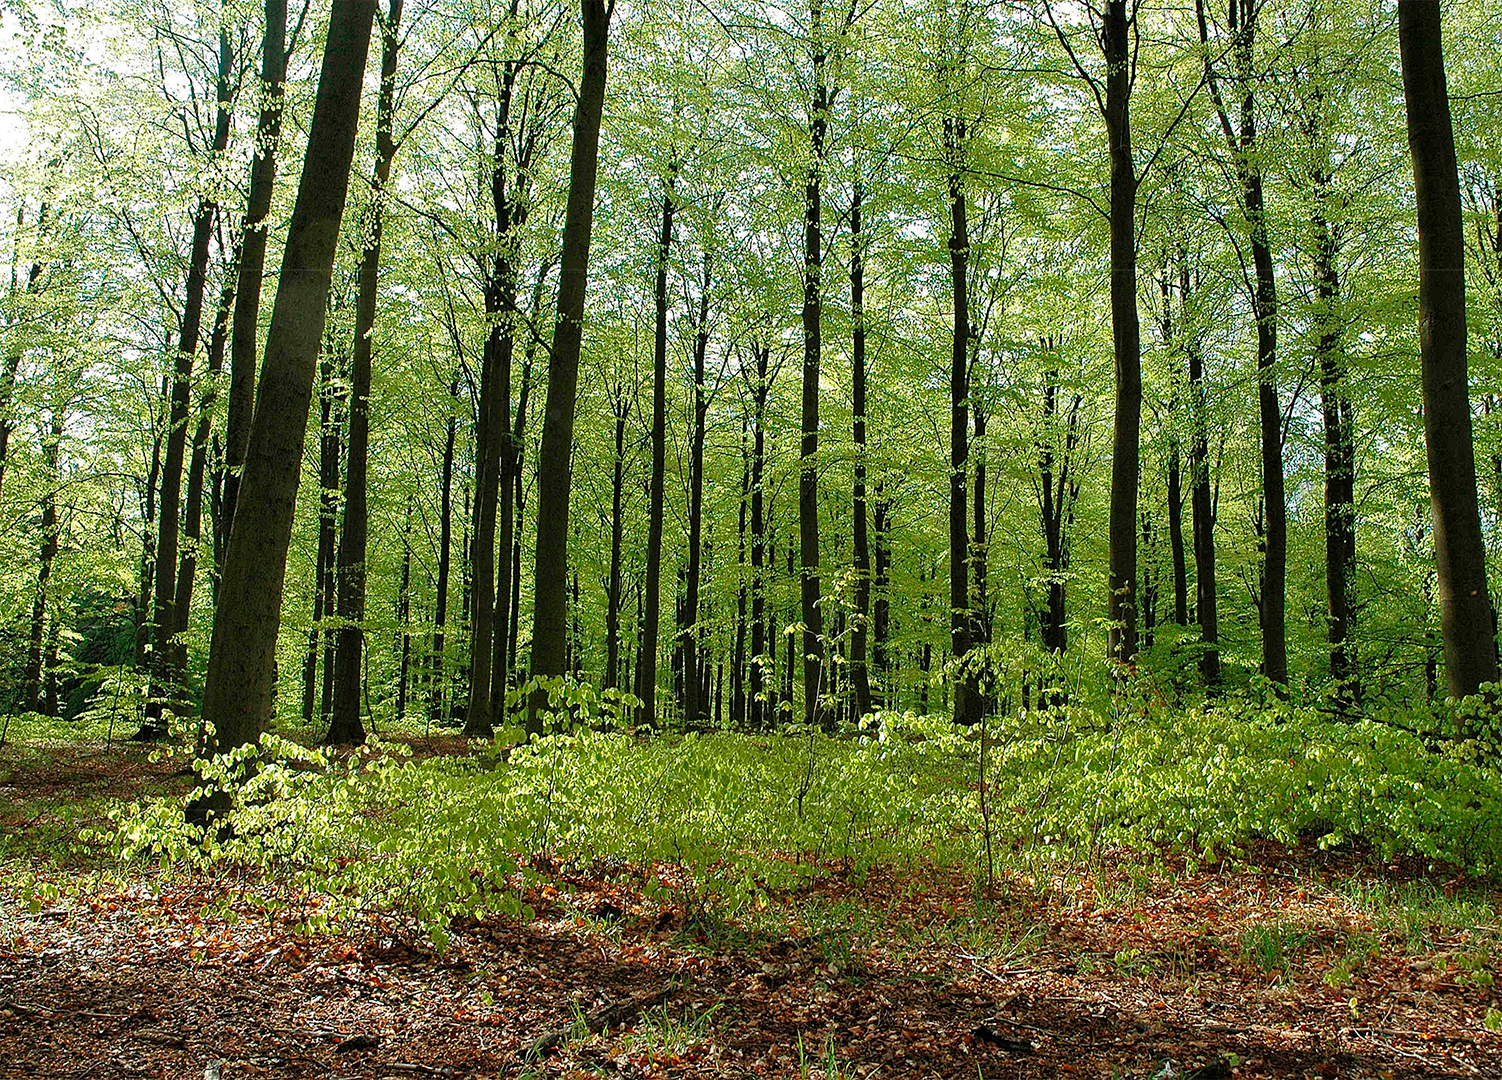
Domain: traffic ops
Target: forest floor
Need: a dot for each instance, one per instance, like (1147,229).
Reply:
(1291,963)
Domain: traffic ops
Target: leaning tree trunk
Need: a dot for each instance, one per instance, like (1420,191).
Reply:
(550,594)
(253,259)
(1465,608)
(346,727)
(240,691)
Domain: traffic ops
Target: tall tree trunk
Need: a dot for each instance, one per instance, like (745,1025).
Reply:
(141,655)
(980,544)
(813,310)
(762,646)
(346,727)
(329,452)
(166,674)
(404,618)
(550,594)
(790,664)
(508,574)
(1126,337)
(1340,461)
(1202,505)
(253,258)
(509,184)
(860,677)
(37,676)
(689,633)
(738,645)
(1241,139)
(445,545)
(1465,608)
(613,586)
(646,681)
(961,617)
(518,441)
(1175,475)
(17,351)
(192,524)
(881,582)
(241,686)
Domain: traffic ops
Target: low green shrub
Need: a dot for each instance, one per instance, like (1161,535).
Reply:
(721,820)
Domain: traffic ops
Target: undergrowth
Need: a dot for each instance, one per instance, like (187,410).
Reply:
(721,822)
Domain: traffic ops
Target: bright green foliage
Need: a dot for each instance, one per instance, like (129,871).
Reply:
(719,822)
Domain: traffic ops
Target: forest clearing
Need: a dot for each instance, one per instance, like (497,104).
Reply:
(892,538)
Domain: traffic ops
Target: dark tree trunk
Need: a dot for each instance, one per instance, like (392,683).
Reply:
(980,601)
(813,308)
(1242,142)
(1340,462)
(240,691)
(689,633)
(1202,507)
(513,638)
(621,409)
(1126,336)
(881,526)
(40,685)
(1175,476)
(17,350)
(550,594)
(1465,609)
(404,618)
(508,576)
(148,555)
(1149,576)
(1176,537)
(646,668)
(961,617)
(495,454)
(790,664)
(192,525)
(346,727)
(445,544)
(1058,490)
(166,674)
(761,645)
(253,259)
(738,647)
(860,676)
